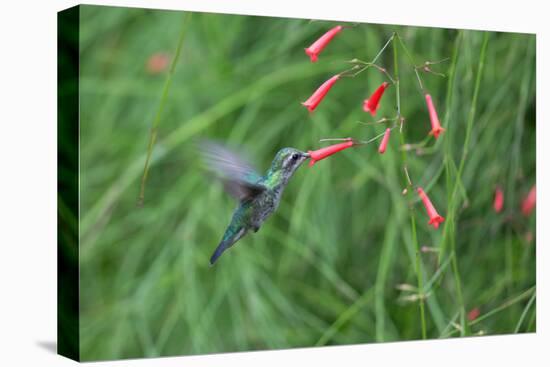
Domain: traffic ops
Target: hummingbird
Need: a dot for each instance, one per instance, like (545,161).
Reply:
(258,195)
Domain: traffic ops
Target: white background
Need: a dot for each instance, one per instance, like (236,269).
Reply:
(28,182)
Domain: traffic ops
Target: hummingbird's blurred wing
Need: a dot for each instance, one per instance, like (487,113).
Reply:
(239,177)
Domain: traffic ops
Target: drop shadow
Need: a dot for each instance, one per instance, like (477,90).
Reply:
(48,345)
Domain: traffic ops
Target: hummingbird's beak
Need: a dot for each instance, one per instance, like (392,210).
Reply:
(305,155)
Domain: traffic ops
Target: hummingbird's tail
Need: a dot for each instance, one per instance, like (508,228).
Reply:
(229,238)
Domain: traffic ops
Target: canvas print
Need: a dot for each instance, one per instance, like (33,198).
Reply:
(234,183)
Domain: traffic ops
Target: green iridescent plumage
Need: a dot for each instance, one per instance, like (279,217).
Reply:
(258,195)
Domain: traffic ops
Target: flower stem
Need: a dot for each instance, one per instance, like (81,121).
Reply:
(413,64)
(358,142)
(453,203)
(163,99)
(383,48)
(418,262)
(419,277)
(367,65)
(525,310)
(524,295)
(363,142)
(381,121)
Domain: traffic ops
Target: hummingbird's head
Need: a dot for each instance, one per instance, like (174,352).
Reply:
(286,162)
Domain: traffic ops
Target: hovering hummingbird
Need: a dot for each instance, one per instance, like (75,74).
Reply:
(258,196)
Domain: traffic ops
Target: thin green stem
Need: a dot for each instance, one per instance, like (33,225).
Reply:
(358,142)
(381,121)
(525,310)
(472,113)
(411,61)
(446,333)
(531,324)
(351,73)
(408,183)
(162,103)
(437,275)
(347,315)
(500,308)
(459,296)
(419,277)
(516,161)
(396,73)
(450,223)
(383,48)
(450,166)
(364,142)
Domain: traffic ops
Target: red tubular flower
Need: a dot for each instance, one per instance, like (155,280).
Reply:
(499,200)
(322,153)
(158,62)
(316,47)
(320,93)
(435,218)
(384,143)
(529,202)
(473,314)
(371,104)
(436,126)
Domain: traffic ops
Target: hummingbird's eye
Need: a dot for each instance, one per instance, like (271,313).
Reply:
(295,157)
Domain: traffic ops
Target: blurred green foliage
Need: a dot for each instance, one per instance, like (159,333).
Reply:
(326,267)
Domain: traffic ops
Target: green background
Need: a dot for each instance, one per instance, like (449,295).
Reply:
(328,267)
